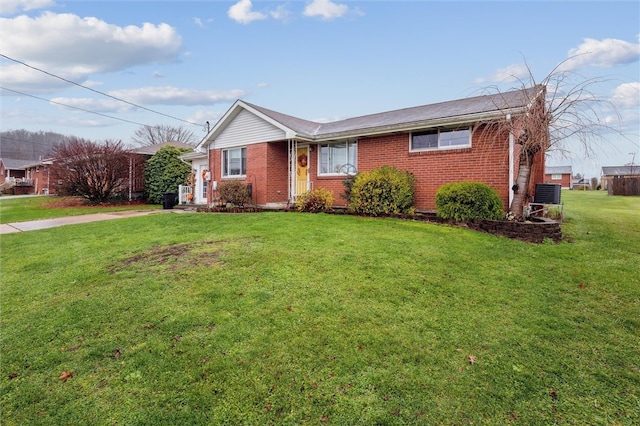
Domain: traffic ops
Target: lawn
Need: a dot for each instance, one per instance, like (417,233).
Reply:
(292,318)
(32,208)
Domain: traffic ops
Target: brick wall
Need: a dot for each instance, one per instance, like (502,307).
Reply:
(266,172)
(487,161)
(564,181)
(42,176)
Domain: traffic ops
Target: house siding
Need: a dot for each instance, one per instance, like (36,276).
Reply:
(248,129)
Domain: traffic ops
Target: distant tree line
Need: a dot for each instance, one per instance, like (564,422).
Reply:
(27,145)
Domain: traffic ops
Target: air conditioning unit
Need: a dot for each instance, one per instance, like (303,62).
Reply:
(547,193)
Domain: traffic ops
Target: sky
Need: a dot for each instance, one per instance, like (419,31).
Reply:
(102,69)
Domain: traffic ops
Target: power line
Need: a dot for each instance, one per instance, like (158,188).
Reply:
(74,107)
(96,91)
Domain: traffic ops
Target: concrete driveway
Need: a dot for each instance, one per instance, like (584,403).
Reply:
(33,225)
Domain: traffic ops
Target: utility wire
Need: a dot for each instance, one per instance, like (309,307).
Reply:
(74,107)
(96,91)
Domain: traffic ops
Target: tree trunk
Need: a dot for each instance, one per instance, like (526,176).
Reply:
(521,191)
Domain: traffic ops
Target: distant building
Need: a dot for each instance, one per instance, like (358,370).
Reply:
(611,172)
(560,175)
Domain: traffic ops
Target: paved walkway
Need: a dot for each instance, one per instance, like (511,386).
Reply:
(33,225)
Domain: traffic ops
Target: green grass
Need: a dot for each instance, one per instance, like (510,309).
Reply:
(289,318)
(33,208)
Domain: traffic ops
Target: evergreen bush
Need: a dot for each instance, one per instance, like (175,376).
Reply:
(164,172)
(382,191)
(468,200)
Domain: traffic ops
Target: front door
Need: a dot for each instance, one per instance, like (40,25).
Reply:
(303,183)
(200,196)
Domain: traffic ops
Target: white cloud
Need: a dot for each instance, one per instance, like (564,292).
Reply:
(169,95)
(325,9)
(11,7)
(509,74)
(152,95)
(602,53)
(102,106)
(74,47)
(241,12)
(200,23)
(627,95)
(281,13)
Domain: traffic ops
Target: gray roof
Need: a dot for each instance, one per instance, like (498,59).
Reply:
(563,170)
(621,170)
(13,164)
(461,109)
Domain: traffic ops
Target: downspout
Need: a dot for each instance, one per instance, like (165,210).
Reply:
(511,162)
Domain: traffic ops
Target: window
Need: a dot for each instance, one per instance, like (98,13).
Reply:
(234,162)
(556,176)
(441,139)
(338,158)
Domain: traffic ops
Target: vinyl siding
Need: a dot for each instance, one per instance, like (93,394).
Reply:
(247,129)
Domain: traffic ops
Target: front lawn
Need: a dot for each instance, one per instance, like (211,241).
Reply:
(33,208)
(291,318)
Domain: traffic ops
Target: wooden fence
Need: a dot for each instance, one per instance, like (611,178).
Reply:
(624,186)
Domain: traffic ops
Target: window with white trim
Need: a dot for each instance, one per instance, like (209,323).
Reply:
(556,176)
(234,162)
(338,158)
(441,139)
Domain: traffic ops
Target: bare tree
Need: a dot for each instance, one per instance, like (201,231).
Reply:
(154,135)
(561,107)
(95,171)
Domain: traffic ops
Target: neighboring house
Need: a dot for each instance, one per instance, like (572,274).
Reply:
(38,177)
(611,172)
(282,156)
(41,177)
(13,175)
(560,175)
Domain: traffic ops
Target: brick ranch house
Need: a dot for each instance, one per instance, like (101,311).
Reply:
(560,175)
(281,156)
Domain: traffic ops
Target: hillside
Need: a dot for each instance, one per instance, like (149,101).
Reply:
(26,145)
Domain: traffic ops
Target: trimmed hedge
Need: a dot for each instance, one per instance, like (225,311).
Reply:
(382,191)
(467,201)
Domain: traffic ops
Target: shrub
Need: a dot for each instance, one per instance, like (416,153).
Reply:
(234,192)
(468,200)
(315,201)
(165,172)
(348,183)
(385,190)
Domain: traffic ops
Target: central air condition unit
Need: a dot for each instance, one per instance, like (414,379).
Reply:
(547,193)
